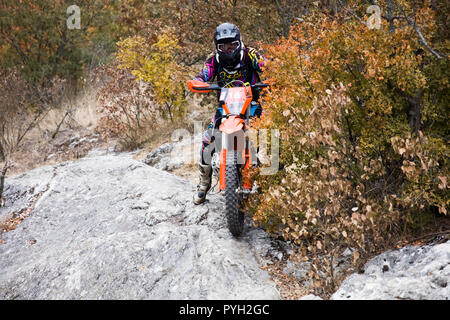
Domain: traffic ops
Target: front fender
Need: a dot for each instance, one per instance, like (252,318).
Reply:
(231,125)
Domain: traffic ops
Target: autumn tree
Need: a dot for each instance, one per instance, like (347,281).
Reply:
(35,36)
(146,88)
(40,53)
(194,21)
(364,137)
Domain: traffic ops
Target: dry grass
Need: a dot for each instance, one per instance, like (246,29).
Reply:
(199,109)
(75,137)
(84,112)
(287,284)
(188,172)
(40,149)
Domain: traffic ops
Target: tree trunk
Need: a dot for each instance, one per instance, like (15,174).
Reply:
(415,111)
(390,15)
(2,153)
(2,181)
(333,7)
(234,18)
(284,24)
(61,122)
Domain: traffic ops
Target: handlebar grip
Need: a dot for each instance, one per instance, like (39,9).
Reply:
(260,85)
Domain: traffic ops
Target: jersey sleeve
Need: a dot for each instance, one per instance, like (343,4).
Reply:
(208,72)
(256,59)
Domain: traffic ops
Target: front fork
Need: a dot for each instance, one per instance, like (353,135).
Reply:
(237,146)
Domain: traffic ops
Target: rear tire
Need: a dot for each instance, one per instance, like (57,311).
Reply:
(235,218)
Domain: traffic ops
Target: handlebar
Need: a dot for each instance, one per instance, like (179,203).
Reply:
(260,85)
(213,86)
(200,86)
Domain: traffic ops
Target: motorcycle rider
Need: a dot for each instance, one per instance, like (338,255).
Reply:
(230,61)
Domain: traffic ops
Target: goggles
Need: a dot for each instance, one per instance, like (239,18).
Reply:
(229,46)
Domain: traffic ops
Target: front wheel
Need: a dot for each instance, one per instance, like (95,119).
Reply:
(235,217)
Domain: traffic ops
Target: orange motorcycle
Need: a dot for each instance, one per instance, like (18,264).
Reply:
(233,154)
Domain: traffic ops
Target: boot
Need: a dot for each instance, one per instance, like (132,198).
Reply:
(205,183)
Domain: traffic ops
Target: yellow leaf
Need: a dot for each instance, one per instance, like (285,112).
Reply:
(355,256)
(443,183)
(319,245)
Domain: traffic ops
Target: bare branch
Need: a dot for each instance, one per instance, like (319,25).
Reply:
(416,28)
(283,19)
(351,12)
(68,112)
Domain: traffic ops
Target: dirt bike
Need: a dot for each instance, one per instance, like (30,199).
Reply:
(233,153)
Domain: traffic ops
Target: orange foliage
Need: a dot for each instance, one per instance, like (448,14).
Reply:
(362,161)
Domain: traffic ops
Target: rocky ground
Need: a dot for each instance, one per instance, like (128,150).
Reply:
(410,273)
(112,226)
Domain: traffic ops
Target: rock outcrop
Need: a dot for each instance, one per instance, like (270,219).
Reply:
(111,227)
(411,273)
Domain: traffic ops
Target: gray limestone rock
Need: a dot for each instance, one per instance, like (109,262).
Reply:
(110,227)
(412,272)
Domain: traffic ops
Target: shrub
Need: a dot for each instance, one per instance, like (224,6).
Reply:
(156,66)
(363,136)
(126,106)
(145,88)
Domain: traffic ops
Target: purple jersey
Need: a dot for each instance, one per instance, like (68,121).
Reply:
(251,65)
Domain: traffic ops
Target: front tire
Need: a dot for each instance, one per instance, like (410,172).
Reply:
(235,218)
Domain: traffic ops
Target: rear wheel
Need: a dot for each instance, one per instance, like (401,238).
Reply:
(235,217)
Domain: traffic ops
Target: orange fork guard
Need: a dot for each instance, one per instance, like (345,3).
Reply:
(247,156)
(223,163)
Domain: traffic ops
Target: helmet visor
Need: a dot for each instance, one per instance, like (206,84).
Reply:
(228,47)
